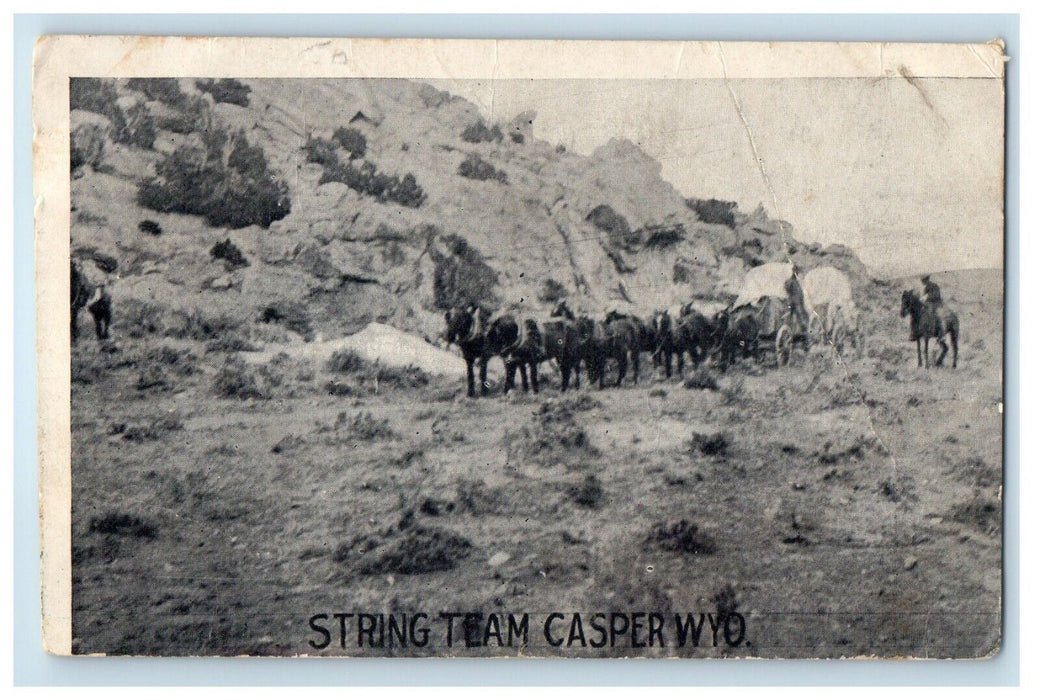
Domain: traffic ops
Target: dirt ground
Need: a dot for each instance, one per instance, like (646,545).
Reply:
(844,507)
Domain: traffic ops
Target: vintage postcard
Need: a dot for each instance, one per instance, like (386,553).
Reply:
(520,348)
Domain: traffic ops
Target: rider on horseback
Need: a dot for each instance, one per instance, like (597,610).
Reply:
(932,295)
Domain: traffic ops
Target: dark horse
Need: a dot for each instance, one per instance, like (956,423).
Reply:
(738,335)
(97,301)
(927,323)
(695,334)
(479,338)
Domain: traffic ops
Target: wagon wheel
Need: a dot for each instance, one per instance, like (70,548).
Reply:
(784,345)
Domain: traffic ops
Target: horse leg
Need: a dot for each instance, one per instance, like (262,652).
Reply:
(667,363)
(75,325)
(483,376)
(942,355)
(534,376)
(470,390)
(927,359)
(577,373)
(635,367)
(510,380)
(98,326)
(918,352)
(565,376)
(622,367)
(523,376)
(953,340)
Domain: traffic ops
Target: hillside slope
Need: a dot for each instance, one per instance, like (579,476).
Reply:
(606,227)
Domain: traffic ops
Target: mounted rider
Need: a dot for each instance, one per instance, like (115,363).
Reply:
(932,297)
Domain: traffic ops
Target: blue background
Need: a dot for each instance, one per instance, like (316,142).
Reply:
(33,667)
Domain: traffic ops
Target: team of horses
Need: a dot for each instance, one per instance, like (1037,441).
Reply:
(572,340)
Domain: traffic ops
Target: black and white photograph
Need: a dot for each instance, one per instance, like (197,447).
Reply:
(524,366)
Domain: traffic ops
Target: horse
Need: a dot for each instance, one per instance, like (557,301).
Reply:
(738,332)
(96,300)
(646,337)
(927,322)
(664,341)
(695,334)
(617,338)
(561,341)
(525,354)
(479,338)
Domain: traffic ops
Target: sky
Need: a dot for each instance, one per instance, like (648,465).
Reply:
(906,171)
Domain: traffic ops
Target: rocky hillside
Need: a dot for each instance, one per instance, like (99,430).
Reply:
(382,200)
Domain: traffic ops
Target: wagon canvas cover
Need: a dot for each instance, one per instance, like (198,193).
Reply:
(338,374)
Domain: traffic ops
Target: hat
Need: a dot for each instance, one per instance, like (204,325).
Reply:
(926,278)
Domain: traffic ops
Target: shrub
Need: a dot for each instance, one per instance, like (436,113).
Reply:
(682,536)
(374,375)
(352,141)
(367,180)
(713,211)
(551,291)
(713,444)
(663,236)
(589,493)
(155,429)
(241,192)
(461,277)
(236,380)
(149,226)
(97,96)
(291,315)
(193,115)
(165,90)
(476,168)
(702,379)
(141,317)
(478,132)
(124,525)
(87,146)
(615,226)
(138,129)
(228,252)
(226,90)
(321,151)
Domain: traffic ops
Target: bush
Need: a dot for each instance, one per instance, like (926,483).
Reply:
(241,192)
(476,168)
(226,90)
(551,291)
(702,379)
(461,277)
(712,445)
(478,132)
(236,380)
(165,90)
(713,211)
(374,375)
(149,226)
(87,146)
(193,115)
(124,525)
(682,536)
(589,493)
(366,179)
(321,151)
(291,315)
(352,141)
(615,226)
(97,96)
(139,128)
(228,252)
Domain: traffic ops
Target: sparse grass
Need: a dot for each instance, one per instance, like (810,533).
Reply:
(552,436)
(980,512)
(375,376)
(703,379)
(153,429)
